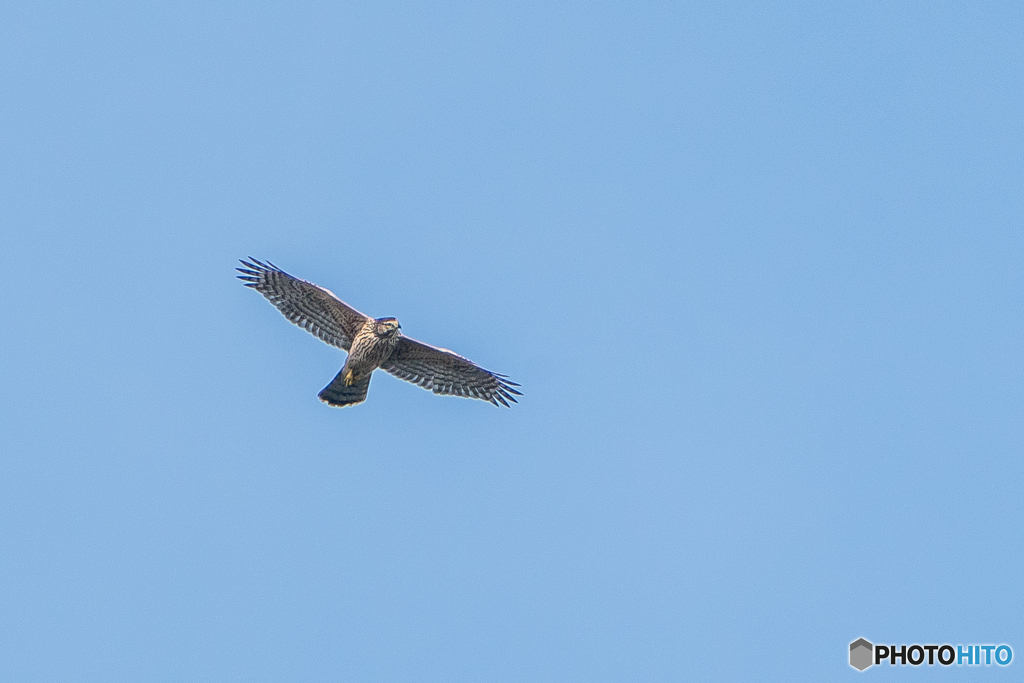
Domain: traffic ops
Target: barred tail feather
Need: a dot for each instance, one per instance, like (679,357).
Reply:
(337,393)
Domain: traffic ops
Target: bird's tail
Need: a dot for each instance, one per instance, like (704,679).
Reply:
(340,394)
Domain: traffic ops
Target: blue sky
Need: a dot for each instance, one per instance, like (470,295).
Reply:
(757,266)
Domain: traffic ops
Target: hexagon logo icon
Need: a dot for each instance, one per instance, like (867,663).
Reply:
(861,654)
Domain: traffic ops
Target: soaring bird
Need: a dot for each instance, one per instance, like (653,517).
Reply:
(371,343)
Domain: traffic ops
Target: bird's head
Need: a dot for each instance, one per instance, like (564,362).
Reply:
(387,327)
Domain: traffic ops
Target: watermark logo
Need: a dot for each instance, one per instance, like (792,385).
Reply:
(864,654)
(861,654)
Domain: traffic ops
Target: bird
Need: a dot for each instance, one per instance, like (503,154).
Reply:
(371,343)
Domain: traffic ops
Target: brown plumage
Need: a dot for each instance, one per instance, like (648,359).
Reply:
(371,343)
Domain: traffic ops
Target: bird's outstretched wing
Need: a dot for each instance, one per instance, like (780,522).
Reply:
(446,372)
(309,306)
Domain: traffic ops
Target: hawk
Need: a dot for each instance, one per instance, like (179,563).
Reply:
(371,343)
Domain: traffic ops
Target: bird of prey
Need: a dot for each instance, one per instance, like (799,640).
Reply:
(371,343)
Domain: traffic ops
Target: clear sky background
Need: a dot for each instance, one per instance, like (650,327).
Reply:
(758,267)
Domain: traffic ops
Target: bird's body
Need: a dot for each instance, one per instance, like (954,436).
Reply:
(371,343)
